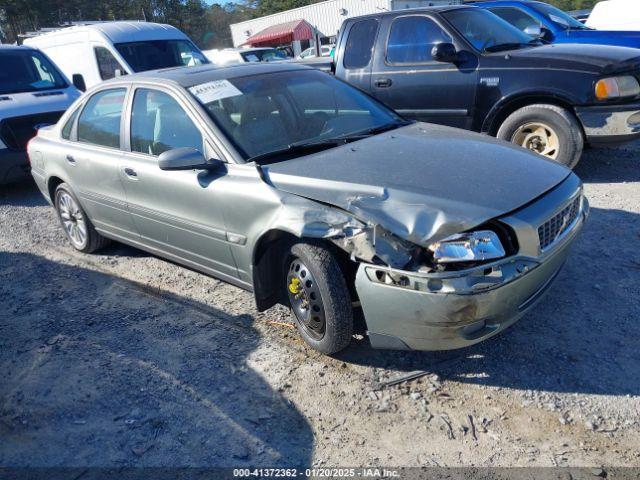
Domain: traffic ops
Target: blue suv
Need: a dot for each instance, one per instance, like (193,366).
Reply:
(540,19)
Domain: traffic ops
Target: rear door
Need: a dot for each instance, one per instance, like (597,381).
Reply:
(92,141)
(356,52)
(179,213)
(406,77)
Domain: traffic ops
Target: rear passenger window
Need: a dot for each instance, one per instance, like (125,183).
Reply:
(412,38)
(515,17)
(99,122)
(107,63)
(66,130)
(159,123)
(360,43)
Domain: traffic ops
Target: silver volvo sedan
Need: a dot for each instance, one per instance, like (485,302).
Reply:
(287,182)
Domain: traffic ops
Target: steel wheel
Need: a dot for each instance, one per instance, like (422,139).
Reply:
(539,138)
(305,299)
(73,220)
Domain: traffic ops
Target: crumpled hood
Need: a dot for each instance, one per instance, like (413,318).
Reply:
(31,103)
(586,57)
(422,182)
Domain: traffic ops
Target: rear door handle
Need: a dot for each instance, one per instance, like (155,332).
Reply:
(130,172)
(71,160)
(383,82)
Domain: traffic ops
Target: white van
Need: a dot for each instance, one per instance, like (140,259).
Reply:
(89,54)
(229,56)
(615,15)
(33,93)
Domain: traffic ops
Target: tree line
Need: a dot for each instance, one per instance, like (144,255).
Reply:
(207,25)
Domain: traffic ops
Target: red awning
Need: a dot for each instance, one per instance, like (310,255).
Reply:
(282,33)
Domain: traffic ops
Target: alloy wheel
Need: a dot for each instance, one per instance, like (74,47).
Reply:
(539,138)
(73,219)
(305,299)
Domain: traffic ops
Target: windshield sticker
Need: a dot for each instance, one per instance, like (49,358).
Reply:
(216,90)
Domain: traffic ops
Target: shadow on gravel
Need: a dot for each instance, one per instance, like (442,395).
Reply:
(23,194)
(581,338)
(610,165)
(99,372)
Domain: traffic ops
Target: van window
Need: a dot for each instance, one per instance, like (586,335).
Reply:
(412,38)
(360,43)
(107,63)
(66,130)
(155,54)
(159,124)
(99,122)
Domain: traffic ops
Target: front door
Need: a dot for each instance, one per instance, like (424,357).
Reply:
(178,213)
(409,80)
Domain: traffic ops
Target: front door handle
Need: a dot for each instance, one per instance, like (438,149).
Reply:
(383,82)
(71,160)
(130,172)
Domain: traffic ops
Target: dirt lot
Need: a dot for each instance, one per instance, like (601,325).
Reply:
(122,359)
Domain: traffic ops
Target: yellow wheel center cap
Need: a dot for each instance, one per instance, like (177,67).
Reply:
(294,286)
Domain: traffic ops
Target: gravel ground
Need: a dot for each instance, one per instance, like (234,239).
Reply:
(123,359)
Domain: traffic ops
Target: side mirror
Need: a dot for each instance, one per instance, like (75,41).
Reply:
(78,82)
(444,52)
(186,158)
(534,31)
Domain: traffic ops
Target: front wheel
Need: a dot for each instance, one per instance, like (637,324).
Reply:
(319,297)
(547,130)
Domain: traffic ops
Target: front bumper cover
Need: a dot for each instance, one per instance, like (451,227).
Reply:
(443,311)
(610,124)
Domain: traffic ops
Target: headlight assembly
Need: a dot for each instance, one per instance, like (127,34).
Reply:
(617,87)
(468,247)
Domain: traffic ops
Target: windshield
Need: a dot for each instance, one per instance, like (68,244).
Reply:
(155,54)
(267,55)
(267,113)
(27,71)
(486,31)
(560,18)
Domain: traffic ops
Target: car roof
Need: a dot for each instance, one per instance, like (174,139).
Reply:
(190,76)
(404,11)
(15,47)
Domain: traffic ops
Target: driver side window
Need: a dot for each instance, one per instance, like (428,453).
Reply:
(159,124)
(412,38)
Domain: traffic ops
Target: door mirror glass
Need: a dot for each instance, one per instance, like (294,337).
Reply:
(534,31)
(185,158)
(444,52)
(78,82)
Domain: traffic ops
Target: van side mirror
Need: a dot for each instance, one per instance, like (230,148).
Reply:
(534,31)
(78,82)
(186,158)
(444,52)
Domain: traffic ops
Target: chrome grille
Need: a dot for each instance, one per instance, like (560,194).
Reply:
(553,228)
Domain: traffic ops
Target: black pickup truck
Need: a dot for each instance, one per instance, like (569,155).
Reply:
(465,67)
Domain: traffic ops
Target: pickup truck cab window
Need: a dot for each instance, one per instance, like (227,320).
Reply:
(360,42)
(99,122)
(159,124)
(486,32)
(107,63)
(412,38)
(516,17)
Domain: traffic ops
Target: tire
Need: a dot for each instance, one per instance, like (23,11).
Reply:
(79,230)
(321,283)
(535,127)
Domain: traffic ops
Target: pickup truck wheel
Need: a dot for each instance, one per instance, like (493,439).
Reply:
(548,130)
(319,297)
(76,225)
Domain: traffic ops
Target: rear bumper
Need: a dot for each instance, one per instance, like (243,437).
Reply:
(14,166)
(610,124)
